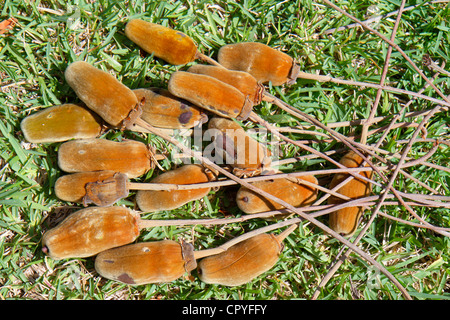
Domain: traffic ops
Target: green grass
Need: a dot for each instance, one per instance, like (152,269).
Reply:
(52,34)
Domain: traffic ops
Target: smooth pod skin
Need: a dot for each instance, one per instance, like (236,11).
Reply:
(163,110)
(345,221)
(102,188)
(211,94)
(261,61)
(170,45)
(244,154)
(152,200)
(61,123)
(103,94)
(296,194)
(89,231)
(143,263)
(242,262)
(243,81)
(130,157)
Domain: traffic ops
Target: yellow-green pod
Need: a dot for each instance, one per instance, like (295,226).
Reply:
(242,262)
(143,263)
(61,123)
(130,157)
(244,154)
(155,200)
(102,188)
(103,94)
(291,191)
(243,81)
(89,231)
(163,110)
(168,44)
(346,220)
(261,61)
(210,94)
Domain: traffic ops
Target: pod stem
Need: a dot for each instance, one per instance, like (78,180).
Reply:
(207,59)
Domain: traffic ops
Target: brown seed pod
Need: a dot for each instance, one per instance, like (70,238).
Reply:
(211,94)
(61,123)
(163,110)
(261,61)
(153,200)
(244,261)
(242,81)
(146,262)
(294,193)
(102,188)
(345,220)
(103,94)
(130,157)
(89,231)
(244,154)
(171,45)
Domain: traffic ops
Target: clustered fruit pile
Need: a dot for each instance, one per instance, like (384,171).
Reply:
(99,169)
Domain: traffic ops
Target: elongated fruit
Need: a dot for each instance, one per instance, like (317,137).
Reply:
(61,123)
(163,110)
(261,61)
(290,191)
(345,220)
(143,263)
(103,93)
(151,200)
(168,44)
(210,94)
(89,231)
(242,262)
(238,149)
(243,81)
(130,157)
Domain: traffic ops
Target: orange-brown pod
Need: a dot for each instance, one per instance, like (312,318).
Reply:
(243,81)
(261,61)
(244,154)
(345,221)
(89,231)
(211,94)
(130,157)
(61,123)
(102,188)
(103,94)
(296,194)
(168,44)
(244,261)
(153,200)
(163,110)
(143,263)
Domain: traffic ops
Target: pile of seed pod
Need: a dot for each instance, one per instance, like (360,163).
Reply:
(98,170)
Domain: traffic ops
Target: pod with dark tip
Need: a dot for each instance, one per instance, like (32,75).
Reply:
(102,188)
(130,157)
(261,61)
(146,262)
(102,93)
(289,190)
(89,231)
(168,44)
(243,81)
(244,154)
(163,110)
(244,261)
(210,94)
(153,200)
(61,123)
(345,220)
